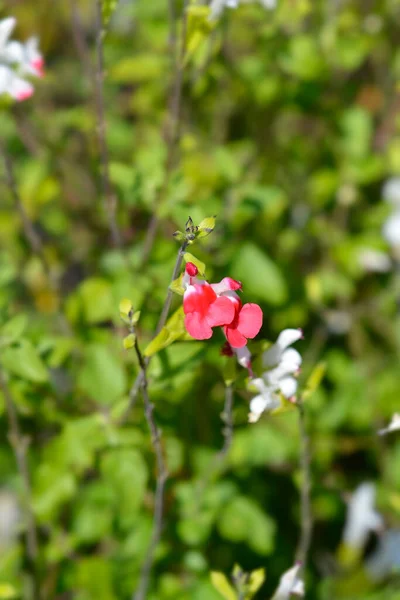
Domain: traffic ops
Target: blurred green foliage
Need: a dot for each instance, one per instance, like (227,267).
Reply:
(288,128)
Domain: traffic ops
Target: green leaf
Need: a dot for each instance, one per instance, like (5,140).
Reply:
(102,376)
(8,591)
(199,264)
(256,580)
(222,585)
(261,277)
(129,341)
(125,306)
(107,9)
(25,362)
(173,330)
(206,226)
(97,300)
(13,329)
(176,286)
(198,29)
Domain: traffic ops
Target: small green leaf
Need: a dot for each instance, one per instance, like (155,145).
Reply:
(173,330)
(314,380)
(199,264)
(129,341)
(222,585)
(256,580)
(176,286)
(107,9)
(13,329)
(8,591)
(136,317)
(198,29)
(25,362)
(179,236)
(125,306)
(206,226)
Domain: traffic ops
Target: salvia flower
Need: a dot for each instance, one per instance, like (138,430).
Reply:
(394,425)
(217,305)
(362,517)
(290,585)
(282,364)
(18,60)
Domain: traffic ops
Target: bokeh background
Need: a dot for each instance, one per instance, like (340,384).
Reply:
(288,131)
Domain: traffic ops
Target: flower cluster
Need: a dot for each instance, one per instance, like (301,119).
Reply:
(218,305)
(282,365)
(18,60)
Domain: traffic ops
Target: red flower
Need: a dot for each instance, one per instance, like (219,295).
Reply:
(245,324)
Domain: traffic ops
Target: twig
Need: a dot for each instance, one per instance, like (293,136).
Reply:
(19,445)
(227,418)
(162,474)
(305,491)
(173,127)
(134,391)
(80,41)
(110,199)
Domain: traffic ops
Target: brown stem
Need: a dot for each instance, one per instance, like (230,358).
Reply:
(134,391)
(110,199)
(162,474)
(173,127)
(19,444)
(305,491)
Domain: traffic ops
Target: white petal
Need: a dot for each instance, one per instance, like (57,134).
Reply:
(374,260)
(258,404)
(361,516)
(391,191)
(290,583)
(269,3)
(293,357)
(243,356)
(385,560)
(394,425)
(288,386)
(272,356)
(391,229)
(6,27)
(14,53)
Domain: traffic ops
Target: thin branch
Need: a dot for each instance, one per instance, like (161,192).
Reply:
(173,127)
(227,418)
(162,475)
(110,199)
(134,391)
(19,444)
(305,491)
(80,40)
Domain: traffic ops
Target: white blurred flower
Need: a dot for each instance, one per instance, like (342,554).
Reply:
(391,191)
(16,61)
(385,560)
(394,425)
(282,364)
(290,584)
(391,229)
(9,518)
(362,518)
(217,6)
(374,260)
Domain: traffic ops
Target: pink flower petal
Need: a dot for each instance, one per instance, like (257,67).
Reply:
(234,337)
(197,327)
(221,312)
(250,320)
(197,298)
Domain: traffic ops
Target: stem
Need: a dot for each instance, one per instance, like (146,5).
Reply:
(305,492)
(162,475)
(173,129)
(227,417)
(110,199)
(19,444)
(134,391)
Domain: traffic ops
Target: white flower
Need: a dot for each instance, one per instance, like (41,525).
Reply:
(374,260)
(217,6)
(394,425)
(362,518)
(9,517)
(282,364)
(385,560)
(16,61)
(391,229)
(290,583)
(391,191)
